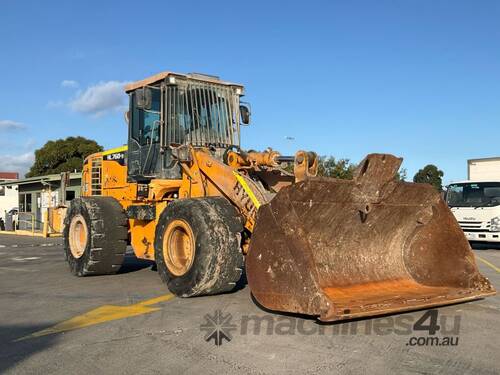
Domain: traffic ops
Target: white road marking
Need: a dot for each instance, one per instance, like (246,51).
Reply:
(15,269)
(19,259)
(2,245)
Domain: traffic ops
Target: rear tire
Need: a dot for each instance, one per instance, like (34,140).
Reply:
(95,236)
(198,246)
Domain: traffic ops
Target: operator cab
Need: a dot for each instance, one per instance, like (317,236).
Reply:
(169,110)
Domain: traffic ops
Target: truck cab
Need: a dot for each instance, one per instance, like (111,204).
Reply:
(476,201)
(476,206)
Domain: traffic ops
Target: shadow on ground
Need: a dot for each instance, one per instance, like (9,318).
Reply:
(12,352)
(133,264)
(485,245)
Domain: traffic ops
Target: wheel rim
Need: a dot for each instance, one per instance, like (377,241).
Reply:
(178,247)
(78,236)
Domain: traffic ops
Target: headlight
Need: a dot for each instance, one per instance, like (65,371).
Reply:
(495,224)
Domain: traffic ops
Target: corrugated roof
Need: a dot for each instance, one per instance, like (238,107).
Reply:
(161,76)
(34,180)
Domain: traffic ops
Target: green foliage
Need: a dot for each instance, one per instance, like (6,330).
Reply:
(402,174)
(341,168)
(329,167)
(430,174)
(62,155)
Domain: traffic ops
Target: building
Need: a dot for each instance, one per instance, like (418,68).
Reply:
(484,169)
(8,194)
(36,194)
(9,175)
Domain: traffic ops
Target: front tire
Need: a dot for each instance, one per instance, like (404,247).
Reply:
(198,246)
(95,236)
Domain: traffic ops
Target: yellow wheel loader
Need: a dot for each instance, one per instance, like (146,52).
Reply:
(184,194)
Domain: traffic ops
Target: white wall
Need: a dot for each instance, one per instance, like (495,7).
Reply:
(9,200)
(484,170)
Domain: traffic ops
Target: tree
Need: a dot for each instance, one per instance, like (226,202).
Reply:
(430,174)
(62,155)
(402,174)
(329,167)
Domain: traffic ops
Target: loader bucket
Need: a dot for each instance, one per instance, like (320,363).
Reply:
(341,249)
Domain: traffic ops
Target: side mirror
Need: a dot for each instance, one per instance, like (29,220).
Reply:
(444,195)
(143,98)
(127,117)
(245,114)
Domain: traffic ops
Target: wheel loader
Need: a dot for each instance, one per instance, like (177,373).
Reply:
(184,194)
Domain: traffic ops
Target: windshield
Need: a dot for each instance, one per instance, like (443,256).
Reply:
(476,194)
(202,114)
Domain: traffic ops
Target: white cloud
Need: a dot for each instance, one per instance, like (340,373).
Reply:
(100,98)
(68,83)
(11,125)
(17,163)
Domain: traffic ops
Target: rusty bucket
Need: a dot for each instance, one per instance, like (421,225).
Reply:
(341,249)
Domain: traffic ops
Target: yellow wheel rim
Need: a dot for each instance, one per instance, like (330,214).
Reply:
(178,247)
(78,236)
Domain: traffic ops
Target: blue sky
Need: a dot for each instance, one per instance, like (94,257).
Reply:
(419,79)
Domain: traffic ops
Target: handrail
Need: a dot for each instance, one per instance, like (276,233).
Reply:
(32,221)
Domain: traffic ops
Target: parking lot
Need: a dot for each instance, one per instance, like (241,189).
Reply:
(53,322)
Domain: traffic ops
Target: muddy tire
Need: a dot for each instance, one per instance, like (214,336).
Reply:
(95,236)
(198,246)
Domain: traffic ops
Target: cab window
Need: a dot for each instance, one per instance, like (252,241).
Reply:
(145,123)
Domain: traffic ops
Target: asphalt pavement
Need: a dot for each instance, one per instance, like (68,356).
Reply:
(54,323)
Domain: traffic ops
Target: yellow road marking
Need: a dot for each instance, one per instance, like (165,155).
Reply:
(488,263)
(102,314)
(247,189)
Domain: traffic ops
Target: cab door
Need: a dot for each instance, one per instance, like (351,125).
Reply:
(144,133)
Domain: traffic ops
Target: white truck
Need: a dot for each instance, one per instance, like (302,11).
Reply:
(476,201)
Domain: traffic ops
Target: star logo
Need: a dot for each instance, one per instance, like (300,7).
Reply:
(218,327)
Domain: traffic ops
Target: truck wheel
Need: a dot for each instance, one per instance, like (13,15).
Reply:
(95,236)
(197,246)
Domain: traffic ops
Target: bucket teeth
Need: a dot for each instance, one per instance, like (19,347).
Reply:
(340,249)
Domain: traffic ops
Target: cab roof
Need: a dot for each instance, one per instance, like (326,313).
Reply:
(473,181)
(161,76)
